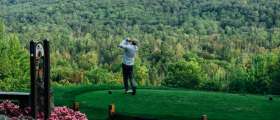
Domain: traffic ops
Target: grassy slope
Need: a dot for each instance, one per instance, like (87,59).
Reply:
(171,104)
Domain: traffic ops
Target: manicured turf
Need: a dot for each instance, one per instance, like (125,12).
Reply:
(179,105)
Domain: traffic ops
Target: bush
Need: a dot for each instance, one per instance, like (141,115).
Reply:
(242,81)
(64,113)
(238,85)
(59,113)
(275,86)
(184,74)
(59,73)
(10,109)
(99,75)
(260,85)
(10,84)
(210,85)
(238,80)
(141,74)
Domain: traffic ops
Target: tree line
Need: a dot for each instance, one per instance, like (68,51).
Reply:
(221,45)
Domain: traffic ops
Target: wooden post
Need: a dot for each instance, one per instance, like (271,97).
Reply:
(76,106)
(111,111)
(47,95)
(204,117)
(33,77)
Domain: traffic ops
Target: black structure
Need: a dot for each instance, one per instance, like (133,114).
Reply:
(33,98)
(47,79)
(40,78)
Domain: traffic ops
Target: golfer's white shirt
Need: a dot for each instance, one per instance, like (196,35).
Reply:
(129,52)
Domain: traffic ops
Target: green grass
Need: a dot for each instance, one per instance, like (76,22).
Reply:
(170,104)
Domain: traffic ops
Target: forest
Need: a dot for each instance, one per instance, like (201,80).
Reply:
(216,45)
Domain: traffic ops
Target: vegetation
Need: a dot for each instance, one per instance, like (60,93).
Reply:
(221,45)
(14,62)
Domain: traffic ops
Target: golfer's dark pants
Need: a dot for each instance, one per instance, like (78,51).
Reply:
(128,76)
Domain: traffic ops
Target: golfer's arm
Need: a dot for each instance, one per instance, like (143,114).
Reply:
(123,44)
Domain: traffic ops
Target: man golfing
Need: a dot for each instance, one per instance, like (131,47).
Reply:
(130,48)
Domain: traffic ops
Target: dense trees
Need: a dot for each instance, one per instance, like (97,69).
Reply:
(184,74)
(231,45)
(14,63)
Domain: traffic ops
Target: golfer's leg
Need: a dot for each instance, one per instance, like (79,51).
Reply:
(125,77)
(131,79)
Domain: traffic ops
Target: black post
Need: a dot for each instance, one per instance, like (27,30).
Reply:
(33,77)
(46,79)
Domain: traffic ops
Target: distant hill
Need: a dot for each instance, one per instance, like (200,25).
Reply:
(228,43)
(199,14)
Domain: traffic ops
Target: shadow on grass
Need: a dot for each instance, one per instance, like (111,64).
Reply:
(148,117)
(102,114)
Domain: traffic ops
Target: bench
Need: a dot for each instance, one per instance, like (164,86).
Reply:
(21,97)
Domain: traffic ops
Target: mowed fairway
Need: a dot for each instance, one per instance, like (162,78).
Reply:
(180,105)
